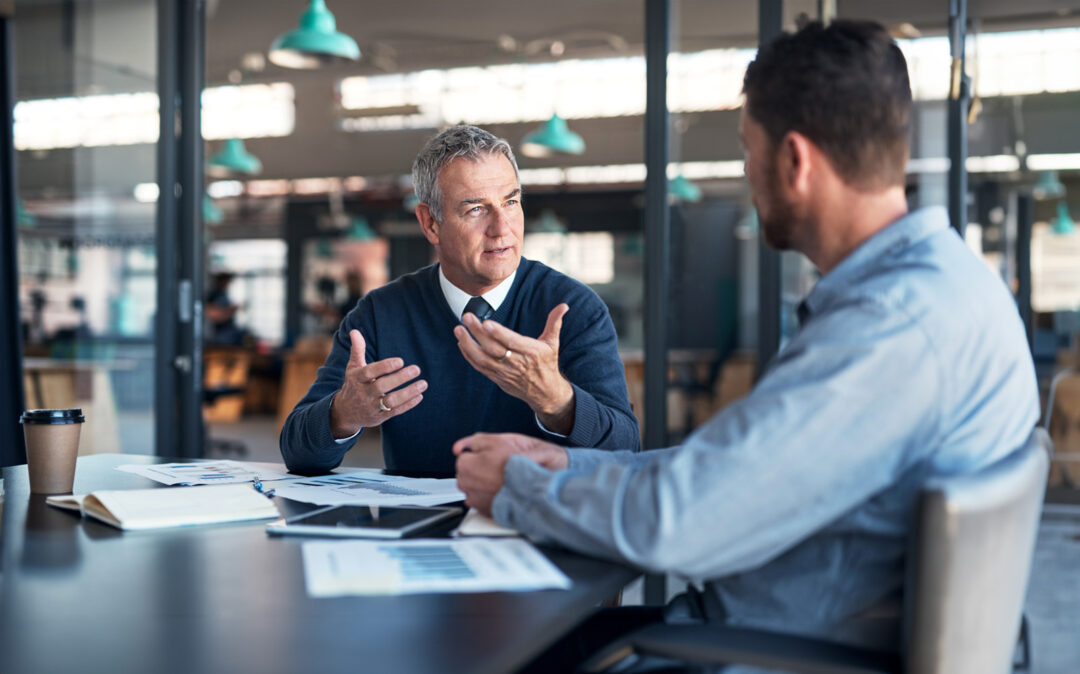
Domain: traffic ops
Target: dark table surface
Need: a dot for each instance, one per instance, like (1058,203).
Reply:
(80,596)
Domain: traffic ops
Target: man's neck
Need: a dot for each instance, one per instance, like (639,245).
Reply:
(850,219)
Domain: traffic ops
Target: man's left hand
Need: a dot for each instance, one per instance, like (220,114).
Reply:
(523,367)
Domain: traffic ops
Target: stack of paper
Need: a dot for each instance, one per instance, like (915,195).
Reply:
(433,565)
(203,472)
(371,488)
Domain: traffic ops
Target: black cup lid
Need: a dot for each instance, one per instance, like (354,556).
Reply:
(72,416)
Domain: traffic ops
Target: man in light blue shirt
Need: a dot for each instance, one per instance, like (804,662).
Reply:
(792,506)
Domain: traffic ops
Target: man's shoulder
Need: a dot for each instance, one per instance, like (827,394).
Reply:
(407,284)
(539,278)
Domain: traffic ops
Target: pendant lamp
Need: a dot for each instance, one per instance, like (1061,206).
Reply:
(211,214)
(681,189)
(1048,186)
(360,230)
(316,42)
(553,137)
(548,223)
(22,216)
(1063,222)
(233,158)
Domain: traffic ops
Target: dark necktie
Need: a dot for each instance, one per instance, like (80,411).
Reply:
(479,307)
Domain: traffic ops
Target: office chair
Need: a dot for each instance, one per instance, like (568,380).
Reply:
(967,575)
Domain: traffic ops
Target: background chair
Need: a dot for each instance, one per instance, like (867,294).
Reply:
(967,577)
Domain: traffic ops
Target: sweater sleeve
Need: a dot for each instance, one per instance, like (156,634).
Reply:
(589,359)
(307,444)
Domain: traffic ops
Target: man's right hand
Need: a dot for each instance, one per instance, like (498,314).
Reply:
(371,393)
(481,463)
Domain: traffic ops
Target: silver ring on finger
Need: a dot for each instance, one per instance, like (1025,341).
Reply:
(382,404)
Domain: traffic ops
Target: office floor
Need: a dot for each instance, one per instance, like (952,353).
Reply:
(1053,602)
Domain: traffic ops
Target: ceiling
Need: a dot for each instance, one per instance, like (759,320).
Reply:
(116,51)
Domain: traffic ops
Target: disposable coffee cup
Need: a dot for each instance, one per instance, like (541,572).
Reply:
(52,445)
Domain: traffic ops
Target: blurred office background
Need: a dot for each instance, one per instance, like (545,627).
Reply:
(306,202)
(187,321)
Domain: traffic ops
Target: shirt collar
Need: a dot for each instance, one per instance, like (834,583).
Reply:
(891,240)
(458,298)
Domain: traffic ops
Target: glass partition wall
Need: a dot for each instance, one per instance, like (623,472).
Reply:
(85,128)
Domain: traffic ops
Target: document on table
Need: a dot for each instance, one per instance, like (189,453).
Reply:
(475,524)
(333,569)
(371,488)
(203,472)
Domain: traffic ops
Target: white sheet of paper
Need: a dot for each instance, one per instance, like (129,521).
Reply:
(333,569)
(371,488)
(475,524)
(203,472)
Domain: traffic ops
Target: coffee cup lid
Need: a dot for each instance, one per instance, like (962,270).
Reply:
(71,416)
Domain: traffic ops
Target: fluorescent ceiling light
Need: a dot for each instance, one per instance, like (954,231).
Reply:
(1053,162)
(146,193)
(225,188)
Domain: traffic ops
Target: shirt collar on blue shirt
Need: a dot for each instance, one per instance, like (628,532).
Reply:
(898,236)
(458,298)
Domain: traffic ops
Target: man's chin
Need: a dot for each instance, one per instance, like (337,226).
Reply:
(498,268)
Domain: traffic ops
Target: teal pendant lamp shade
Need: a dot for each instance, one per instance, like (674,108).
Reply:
(555,136)
(681,189)
(315,43)
(211,214)
(1063,222)
(360,230)
(1048,186)
(549,223)
(22,216)
(233,158)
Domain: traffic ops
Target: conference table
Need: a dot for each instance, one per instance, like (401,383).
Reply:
(80,596)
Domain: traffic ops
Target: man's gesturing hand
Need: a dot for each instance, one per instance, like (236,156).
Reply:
(482,457)
(523,367)
(370,394)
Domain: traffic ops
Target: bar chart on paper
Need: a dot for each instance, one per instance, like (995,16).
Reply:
(333,569)
(371,488)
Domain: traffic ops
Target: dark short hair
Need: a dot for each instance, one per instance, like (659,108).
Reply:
(845,87)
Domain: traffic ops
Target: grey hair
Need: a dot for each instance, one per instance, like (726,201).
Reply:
(461,141)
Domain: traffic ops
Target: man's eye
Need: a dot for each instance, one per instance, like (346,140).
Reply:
(512,202)
(474,210)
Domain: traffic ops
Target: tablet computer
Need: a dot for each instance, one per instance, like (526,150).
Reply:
(362,521)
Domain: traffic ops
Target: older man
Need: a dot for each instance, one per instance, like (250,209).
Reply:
(792,506)
(501,343)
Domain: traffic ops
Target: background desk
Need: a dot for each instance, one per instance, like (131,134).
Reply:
(79,596)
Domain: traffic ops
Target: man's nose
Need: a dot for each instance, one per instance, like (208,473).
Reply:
(500,224)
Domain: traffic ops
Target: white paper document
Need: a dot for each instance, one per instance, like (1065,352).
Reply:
(333,569)
(203,472)
(475,524)
(371,488)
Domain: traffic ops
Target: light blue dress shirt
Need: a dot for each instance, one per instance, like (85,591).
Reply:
(792,505)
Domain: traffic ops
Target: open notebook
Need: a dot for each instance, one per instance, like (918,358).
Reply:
(176,507)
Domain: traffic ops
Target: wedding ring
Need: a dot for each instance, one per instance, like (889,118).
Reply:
(382,405)
(505,355)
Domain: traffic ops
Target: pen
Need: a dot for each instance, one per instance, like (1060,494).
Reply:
(258,485)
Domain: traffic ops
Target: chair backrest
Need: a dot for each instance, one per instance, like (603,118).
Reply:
(969,566)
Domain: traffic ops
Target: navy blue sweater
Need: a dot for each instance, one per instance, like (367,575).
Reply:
(410,318)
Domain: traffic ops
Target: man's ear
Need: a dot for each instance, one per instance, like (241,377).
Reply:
(428,224)
(795,160)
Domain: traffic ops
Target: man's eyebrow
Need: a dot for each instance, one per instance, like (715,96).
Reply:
(515,193)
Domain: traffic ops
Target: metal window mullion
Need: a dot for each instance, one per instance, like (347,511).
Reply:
(12,396)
